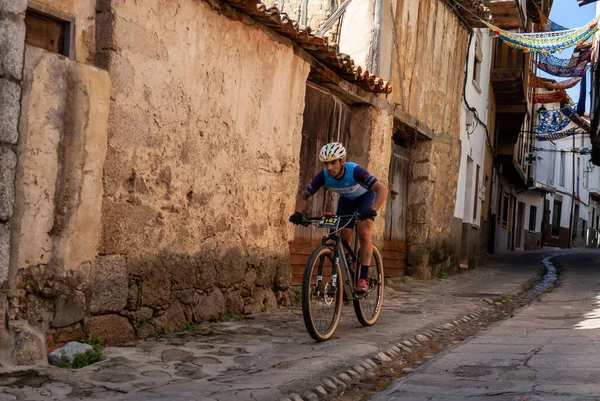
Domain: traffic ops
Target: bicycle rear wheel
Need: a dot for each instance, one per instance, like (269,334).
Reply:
(368,306)
(321,305)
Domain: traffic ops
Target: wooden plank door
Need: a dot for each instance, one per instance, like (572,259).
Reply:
(520,220)
(326,119)
(394,249)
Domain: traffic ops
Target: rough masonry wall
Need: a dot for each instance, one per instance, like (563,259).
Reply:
(428,63)
(56,228)
(12,42)
(371,144)
(202,165)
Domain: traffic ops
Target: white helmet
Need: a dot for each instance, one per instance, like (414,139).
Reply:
(332,151)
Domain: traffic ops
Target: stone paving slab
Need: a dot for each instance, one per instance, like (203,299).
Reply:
(270,356)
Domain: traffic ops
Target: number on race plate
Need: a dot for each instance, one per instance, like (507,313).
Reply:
(330,222)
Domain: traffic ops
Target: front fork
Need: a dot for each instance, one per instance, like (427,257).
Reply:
(338,252)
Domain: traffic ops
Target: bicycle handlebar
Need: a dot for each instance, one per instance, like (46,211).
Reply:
(306,221)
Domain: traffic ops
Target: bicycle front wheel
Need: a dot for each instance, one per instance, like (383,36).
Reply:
(368,306)
(321,301)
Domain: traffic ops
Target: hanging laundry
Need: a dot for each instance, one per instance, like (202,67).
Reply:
(576,66)
(546,25)
(555,120)
(547,42)
(558,135)
(537,82)
(558,96)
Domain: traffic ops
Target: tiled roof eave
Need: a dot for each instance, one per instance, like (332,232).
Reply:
(318,47)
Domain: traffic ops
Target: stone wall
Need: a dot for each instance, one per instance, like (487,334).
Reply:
(371,144)
(201,169)
(56,228)
(12,41)
(533,240)
(432,192)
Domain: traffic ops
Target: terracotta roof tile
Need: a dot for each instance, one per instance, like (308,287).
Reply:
(317,46)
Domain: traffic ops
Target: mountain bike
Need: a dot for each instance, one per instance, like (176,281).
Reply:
(330,278)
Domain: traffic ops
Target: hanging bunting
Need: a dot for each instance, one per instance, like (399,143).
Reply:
(555,120)
(547,42)
(557,135)
(546,25)
(537,82)
(576,66)
(558,96)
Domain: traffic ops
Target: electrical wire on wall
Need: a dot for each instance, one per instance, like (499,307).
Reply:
(470,108)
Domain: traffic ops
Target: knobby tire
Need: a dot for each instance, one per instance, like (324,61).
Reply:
(368,307)
(309,311)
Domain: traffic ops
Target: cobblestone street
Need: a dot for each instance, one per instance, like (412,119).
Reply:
(270,356)
(548,351)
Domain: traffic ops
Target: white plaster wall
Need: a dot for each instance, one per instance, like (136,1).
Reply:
(473,145)
(355,33)
(532,198)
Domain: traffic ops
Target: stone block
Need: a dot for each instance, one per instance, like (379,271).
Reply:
(143,314)
(13,6)
(417,234)
(4,252)
(116,330)
(68,351)
(210,307)
(12,47)
(10,109)
(8,164)
(68,309)
(109,285)
(234,302)
(29,349)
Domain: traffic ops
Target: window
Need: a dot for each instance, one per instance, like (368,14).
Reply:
(532,217)
(562,169)
(49,30)
(556,215)
(505,201)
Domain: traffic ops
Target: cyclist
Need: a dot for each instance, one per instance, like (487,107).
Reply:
(359,192)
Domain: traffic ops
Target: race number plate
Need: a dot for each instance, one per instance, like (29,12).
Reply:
(330,222)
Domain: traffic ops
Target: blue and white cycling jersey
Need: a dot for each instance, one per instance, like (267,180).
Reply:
(356,182)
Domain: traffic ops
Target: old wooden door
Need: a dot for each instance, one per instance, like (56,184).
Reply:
(520,221)
(394,249)
(546,225)
(326,119)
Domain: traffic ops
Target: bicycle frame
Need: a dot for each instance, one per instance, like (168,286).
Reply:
(339,258)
